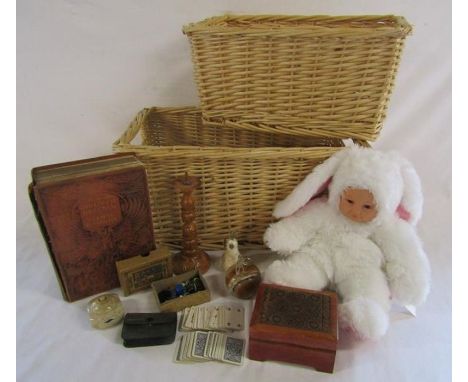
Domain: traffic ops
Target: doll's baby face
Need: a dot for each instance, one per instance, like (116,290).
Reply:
(358,205)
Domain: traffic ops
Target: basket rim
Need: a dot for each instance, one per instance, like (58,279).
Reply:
(227,152)
(124,142)
(333,130)
(247,124)
(363,25)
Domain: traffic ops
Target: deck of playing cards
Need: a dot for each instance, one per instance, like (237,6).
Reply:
(201,346)
(221,318)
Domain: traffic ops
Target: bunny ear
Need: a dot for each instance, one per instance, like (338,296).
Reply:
(410,207)
(313,184)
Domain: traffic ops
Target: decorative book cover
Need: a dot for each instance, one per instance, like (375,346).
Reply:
(92,213)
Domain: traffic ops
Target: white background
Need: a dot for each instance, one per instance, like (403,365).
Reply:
(85,68)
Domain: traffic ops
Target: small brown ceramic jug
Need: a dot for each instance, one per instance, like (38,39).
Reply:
(242,279)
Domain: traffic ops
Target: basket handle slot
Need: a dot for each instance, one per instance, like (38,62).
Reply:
(132,131)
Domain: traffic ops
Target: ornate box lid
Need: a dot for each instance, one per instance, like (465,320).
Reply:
(295,316)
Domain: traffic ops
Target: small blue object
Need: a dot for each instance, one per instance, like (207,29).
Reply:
(180,290)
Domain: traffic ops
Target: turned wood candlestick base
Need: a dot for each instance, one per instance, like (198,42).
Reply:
(191,257)
(182,264)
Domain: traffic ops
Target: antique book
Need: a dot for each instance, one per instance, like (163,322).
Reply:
(92,213)
(294,325)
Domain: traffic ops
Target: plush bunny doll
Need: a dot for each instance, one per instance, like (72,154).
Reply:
(360,239)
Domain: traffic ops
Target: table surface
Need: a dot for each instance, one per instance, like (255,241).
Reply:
(84,70)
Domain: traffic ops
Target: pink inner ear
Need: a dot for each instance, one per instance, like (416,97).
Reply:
(403,213)
(322,190)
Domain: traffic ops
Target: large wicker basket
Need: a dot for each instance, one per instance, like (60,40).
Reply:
(242,178)
(301,75)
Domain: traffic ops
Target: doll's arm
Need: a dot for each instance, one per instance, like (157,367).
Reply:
(290,234)
(406,264)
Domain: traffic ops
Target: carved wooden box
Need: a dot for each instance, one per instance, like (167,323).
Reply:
(295,326)
(137,273)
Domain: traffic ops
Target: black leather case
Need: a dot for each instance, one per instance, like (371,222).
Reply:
(149,329)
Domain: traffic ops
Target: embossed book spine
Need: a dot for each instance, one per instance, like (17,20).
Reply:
(89,222)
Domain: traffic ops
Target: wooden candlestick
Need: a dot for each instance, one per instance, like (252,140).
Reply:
(192,256)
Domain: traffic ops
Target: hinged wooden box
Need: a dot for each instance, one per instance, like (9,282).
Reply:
(295,326)
(138,272)
(179,303)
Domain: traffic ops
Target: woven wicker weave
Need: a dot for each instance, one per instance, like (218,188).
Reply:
(302,75)
(241,182)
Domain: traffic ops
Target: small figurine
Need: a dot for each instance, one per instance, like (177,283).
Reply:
(231,253)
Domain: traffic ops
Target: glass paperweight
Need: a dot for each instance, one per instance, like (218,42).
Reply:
(105,311)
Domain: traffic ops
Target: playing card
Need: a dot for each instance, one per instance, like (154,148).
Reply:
(220,347)
(233,318)
(209,345)
(185,341)
(213,324)
(178,351)
(190,340)
(180,356)
(208,312)
(206,317)
(198,346)
(190,318)
(183,321)
(233,350)
(201,320)
(216,337)
(220,321)
(209,340)
(198,318)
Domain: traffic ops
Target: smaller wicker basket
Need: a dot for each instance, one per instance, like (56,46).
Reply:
(242,175)
(325,76)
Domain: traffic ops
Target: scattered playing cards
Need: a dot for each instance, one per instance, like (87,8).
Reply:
(221,317)
(206,346)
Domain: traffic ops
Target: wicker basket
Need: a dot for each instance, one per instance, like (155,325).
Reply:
(302,75)
(241,180)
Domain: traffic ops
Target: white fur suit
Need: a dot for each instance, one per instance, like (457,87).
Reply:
(367,263)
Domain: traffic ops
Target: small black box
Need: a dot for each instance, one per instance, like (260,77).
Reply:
(149,329)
